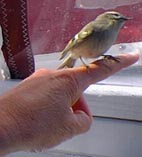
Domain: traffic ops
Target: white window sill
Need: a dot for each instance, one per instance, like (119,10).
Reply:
(119,96)
(124,102)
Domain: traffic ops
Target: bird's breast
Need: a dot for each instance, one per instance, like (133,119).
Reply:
(95,45)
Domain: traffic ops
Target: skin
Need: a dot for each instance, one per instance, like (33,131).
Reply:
(48,108)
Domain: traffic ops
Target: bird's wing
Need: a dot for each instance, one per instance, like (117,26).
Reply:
(78,38)
(67,48)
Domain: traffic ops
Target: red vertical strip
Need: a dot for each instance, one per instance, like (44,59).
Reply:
(16,43)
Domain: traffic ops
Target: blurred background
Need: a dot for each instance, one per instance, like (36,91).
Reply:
(53,23)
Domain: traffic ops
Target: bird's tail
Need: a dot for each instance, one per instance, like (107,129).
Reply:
(69,62)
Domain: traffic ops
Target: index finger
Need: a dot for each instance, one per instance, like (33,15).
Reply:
(101,69)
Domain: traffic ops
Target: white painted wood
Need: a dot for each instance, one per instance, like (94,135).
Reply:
(106,138)
(109,137)
(116,98)
(119,96)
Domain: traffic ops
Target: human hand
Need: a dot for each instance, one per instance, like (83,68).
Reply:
(46,108)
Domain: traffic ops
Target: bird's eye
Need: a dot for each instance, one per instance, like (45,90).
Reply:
(117,16)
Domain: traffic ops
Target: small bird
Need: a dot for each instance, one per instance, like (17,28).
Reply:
(94,39)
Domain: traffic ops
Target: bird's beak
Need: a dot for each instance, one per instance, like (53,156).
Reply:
(126,18)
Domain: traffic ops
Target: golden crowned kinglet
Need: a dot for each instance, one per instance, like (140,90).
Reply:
(94,39)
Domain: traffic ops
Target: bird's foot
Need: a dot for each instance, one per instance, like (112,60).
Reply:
(87,66)
(108,57)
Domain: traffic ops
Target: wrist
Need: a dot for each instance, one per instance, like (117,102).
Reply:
(10,134)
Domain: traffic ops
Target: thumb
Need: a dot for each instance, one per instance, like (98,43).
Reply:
(82,122)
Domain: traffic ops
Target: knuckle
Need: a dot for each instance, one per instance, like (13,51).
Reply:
(106,66)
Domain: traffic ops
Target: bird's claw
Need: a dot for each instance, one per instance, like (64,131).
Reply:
(108,57)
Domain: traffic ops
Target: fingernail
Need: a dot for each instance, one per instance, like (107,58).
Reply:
(136,52)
